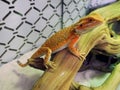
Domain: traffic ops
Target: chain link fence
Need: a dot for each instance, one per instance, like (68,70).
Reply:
(26,24)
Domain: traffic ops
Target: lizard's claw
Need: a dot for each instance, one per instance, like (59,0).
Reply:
(50,64)
(82,56)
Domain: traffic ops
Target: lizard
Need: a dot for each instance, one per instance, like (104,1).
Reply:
(67,37)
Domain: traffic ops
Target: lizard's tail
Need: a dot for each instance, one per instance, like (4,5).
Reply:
(23,65)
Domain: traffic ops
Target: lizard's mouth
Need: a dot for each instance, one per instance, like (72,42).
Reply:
(83,32)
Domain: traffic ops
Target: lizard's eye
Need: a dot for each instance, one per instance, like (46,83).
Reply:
(81,25)
(90,20)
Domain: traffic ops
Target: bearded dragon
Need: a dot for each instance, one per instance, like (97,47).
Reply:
(66,37)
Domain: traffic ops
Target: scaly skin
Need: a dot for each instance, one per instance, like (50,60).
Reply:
(66,37)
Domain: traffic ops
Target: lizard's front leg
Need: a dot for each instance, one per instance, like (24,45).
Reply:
(73,50)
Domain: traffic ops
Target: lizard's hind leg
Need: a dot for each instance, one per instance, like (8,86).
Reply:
(41,51)
(47,52)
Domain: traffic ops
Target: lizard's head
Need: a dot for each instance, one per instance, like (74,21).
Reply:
(88,23)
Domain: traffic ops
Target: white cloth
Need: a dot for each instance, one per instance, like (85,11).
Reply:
(14,77)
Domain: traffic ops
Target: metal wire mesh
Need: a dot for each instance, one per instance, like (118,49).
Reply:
(26,24)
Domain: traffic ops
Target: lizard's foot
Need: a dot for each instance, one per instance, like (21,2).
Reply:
(76,52)
(82,56)
(50,64)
